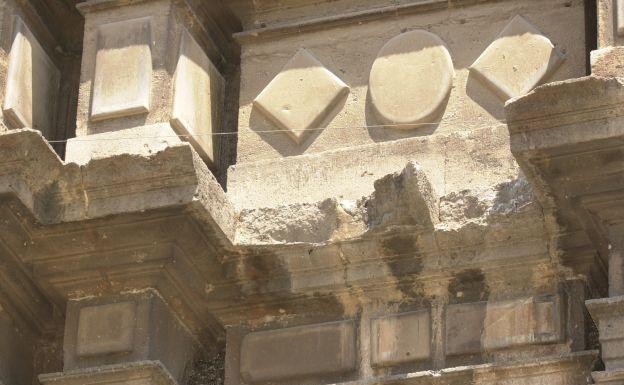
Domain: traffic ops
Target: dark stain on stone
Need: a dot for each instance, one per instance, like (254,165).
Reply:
(405,263)
(271,282)
(399,245)
(47,203)
(468,286)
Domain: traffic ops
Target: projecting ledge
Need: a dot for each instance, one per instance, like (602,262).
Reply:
(140,373)
(586,111)
(572,369)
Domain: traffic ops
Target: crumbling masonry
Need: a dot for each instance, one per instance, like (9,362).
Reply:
(312,192)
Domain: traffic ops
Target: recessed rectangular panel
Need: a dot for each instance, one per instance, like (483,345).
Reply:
(520,322)
(464,327)
(401,338)
(32,83)
(123,69)
(198,97)
(106,329)
(312,350)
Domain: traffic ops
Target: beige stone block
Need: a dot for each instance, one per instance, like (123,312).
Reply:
(411,79)
(518,60)
(32,83)
(106,329)
(401,338)
(123,69)
(608,62)
(142,141)
(311,350)
(302,96)
(464,327)
(198,97)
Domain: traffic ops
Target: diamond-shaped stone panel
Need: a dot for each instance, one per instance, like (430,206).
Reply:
(301,96)
(518,60)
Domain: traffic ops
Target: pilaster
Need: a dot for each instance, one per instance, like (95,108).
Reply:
(154,73)
(131,338)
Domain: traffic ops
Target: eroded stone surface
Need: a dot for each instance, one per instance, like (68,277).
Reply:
(301,96)
(519,59)
(123,69)
(32,83)
(400,338)
(607,62)
(198,98)
(312,350)
(411,79)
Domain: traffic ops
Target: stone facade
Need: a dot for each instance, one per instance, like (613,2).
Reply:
(303,192)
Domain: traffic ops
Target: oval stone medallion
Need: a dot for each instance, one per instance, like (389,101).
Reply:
(411,79)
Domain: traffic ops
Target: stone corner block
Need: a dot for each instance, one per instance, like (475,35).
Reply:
(319,350)
(401,338)
(607,62)
(608,313)
(126,329)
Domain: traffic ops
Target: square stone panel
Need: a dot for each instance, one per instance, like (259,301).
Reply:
(198,98)
(106,329)
(301,96)
(123,69)
(518,60)
(401,338)
(464,326)
(32,83)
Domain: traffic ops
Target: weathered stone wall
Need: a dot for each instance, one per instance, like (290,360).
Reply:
(408,205)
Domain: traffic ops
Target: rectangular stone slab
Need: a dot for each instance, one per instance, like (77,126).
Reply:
(464,326)
(123,69)
(401,338)
(32,83)
(520,322)
(198,98)
(485,326)
(311,350)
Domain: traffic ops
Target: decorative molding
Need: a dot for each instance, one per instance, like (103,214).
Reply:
(410,79)
(519,59)
(301,96)
(358,17)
